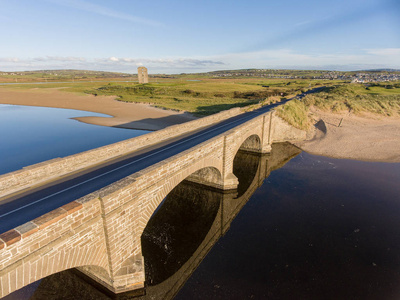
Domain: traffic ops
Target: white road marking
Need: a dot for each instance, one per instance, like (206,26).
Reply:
(116,169)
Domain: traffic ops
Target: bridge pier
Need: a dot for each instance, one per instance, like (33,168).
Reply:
(211,177)
(231,182)
(130,277)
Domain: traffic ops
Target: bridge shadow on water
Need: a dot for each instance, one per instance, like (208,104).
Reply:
(188,223)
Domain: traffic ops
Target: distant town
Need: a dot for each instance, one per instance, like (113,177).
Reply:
(368,76)
(357,77)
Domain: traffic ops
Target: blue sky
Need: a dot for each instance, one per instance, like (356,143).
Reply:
(196,36)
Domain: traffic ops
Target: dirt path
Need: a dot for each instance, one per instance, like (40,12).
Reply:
(126,115)
(370,138)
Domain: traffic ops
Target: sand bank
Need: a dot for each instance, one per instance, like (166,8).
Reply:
(126,115)
(369,138)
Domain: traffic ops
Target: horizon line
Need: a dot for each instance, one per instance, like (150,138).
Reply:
(387,69)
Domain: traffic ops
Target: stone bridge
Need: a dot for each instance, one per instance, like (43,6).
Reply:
(100,234)
(184,229)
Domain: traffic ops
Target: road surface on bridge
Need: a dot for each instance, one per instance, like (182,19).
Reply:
(35,202)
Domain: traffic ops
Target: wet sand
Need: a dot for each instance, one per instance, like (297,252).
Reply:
(125,115)
(368,137)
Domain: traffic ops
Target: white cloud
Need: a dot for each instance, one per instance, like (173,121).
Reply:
(385,52)
(179,62)
(60,59)
(125,64)
(9,59)
(104,11)
(287,58)
(282,58)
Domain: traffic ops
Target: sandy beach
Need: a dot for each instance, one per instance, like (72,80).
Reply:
(368,137)
(125,115)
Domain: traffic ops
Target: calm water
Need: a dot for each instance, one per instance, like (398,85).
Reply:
(317,228)
(30,135)
(299,227)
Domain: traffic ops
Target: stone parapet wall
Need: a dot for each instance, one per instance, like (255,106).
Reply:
(48,170)
(67,237)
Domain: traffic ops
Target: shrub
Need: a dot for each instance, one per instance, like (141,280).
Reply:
(219,95)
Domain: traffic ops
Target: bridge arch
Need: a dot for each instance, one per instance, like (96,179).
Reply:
(198,172)
(36,268)
(177,229)
(250,142)
(207,173)
(245,160)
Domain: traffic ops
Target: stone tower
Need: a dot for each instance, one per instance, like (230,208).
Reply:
(142,75)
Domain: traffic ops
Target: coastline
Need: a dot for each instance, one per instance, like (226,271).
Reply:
(368,137)
(124,115)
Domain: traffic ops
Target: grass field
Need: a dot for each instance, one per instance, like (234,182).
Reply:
(61,75)
(205,95)
(200,97)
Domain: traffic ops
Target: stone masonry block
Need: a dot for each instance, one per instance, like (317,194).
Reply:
(50,218)
(10,237)
(72,207)
(27,229)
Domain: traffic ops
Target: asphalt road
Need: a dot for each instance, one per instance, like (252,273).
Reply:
(28,205)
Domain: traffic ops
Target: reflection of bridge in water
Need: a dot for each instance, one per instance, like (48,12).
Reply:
(187,225)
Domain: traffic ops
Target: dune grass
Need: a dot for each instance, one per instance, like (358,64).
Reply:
(295,112)
(380,98)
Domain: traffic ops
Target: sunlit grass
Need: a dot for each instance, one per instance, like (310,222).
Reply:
(202,97)
(382,99)
(295,112)
(207,96)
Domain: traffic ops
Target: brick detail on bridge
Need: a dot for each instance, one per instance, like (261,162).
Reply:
(100,234)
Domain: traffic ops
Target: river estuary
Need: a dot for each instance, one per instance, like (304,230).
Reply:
(299,226)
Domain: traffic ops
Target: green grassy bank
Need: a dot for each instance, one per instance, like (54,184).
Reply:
(202,97)
(378,98)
